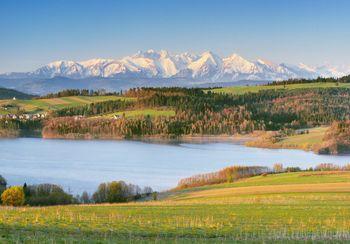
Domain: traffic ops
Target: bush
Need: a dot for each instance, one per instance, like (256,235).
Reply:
(278,168)
(229,174)
(46,194)
(119,191)
(3,184)
(85,198)
(293,169)
(13,196)
(327,167)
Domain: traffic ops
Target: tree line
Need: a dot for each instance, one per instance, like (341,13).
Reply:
(199,112)
(229,174)
(336,139)
(51,194)
(344,79)
(79,92)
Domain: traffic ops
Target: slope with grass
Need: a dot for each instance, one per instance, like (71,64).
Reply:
(238,90)
(310,140)
(41,105)
(10,94)
(306,141)
(289,206)
(152,112)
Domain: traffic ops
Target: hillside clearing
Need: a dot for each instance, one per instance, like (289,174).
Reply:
(41,105)
(238,90)
(152,112)
(309,140)
(304,141)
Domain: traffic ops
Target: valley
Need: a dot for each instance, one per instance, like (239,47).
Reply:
(285,114)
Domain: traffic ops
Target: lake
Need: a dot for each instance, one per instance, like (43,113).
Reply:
(81,165)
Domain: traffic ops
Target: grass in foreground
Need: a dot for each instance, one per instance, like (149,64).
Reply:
(289,206)
(238,90)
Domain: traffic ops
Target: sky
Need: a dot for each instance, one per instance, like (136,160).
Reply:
(36,32)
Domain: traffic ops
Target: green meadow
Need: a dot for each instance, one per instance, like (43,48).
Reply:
(41,105)
(152,112)
(299,206)
(238,90)
(305,141)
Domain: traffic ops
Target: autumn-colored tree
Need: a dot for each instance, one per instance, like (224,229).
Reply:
(13,196)
(278,168)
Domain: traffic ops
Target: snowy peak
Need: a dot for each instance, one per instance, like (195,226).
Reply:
(197,68)
(236,64)
(208,65)
(60,68)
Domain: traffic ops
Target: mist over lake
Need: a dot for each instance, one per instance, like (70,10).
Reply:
(82,165)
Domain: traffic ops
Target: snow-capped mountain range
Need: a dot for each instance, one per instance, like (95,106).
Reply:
(206,67)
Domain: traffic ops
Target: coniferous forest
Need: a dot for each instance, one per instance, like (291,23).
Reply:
(201,112)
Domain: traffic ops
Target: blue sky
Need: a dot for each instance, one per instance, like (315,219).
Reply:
(36,32)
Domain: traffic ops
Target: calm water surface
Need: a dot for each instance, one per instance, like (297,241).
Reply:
(82,165)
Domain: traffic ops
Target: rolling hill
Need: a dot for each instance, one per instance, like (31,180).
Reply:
(10,94)
(303,206)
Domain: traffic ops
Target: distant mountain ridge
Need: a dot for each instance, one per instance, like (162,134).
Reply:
(207,67)
(159,68)
(11,94)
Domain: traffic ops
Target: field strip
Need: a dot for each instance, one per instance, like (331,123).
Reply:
(293,188)
(79,100)
(55,101)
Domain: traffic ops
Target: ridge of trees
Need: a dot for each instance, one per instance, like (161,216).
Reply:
(344,79)
(199,112)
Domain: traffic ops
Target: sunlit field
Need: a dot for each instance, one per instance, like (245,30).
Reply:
(41,105)
(152,112)
(237,90)
(304,141)
(288,206)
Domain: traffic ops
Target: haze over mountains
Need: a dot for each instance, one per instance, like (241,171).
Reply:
(158,68)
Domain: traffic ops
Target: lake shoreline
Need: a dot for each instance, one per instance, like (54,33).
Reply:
(241,139)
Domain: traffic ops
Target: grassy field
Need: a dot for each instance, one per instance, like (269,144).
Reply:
(138,112)
(308,141)
(40,105)
(237,90)
(290,206)
(304,141)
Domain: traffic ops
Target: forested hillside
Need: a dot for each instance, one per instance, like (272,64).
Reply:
(9,94)
(201,113)
(175,112)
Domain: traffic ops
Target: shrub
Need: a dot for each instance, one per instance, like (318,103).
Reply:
(293,169)
(118,191)
(3,184)
(277,168)
(228,174)
(13,196)
(85,198)
(327,167)
(46,194)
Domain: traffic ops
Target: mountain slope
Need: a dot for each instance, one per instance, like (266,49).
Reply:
(205,67)
(159,68)
(10,93)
